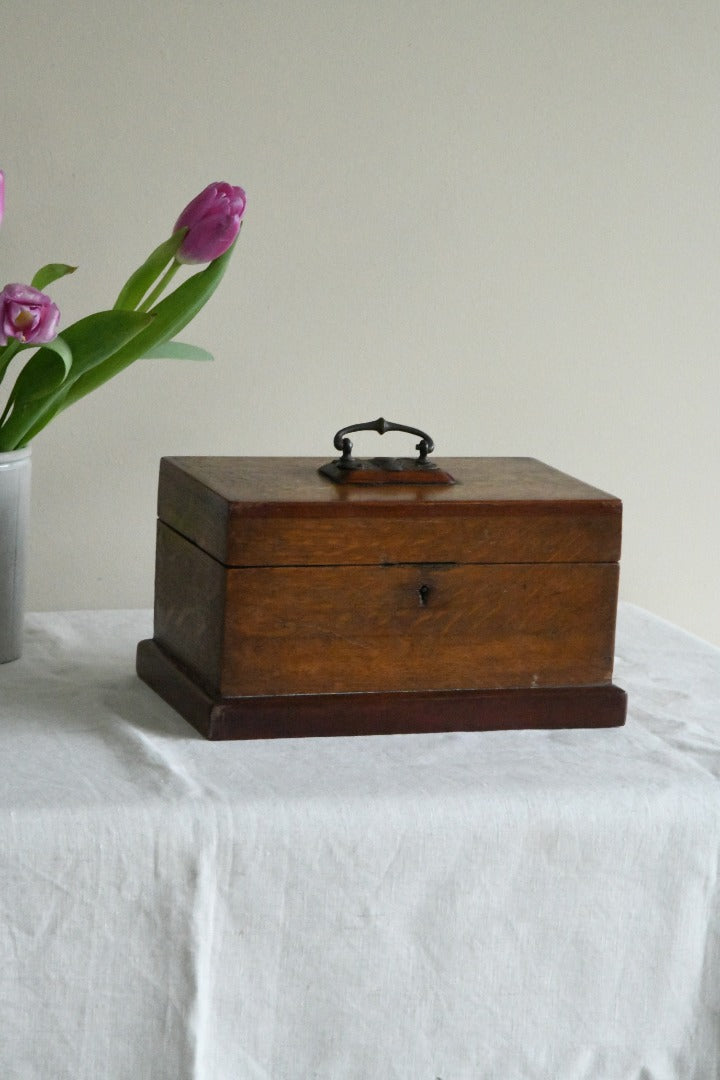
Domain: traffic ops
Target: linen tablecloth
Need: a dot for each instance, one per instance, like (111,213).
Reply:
(468,906)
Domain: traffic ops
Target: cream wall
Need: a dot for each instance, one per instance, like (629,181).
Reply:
(496,220)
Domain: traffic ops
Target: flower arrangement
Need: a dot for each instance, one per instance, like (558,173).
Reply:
(142,322)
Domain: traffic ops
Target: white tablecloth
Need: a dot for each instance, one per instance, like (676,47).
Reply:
(490,906)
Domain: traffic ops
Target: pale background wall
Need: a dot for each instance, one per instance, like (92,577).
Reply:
(497,220)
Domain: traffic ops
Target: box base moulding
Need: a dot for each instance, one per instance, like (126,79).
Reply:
(395,713)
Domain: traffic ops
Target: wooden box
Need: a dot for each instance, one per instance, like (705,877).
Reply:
(288,605)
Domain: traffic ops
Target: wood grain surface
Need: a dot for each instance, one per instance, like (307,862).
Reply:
(323,715)
(273,584)
(281,512)
(334,629)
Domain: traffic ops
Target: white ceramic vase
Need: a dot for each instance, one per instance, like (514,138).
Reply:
(14,515)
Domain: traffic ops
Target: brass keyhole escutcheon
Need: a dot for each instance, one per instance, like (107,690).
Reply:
(424,593)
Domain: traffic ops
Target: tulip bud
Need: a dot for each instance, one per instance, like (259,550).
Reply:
(212,221)
(27,315)
(2,194)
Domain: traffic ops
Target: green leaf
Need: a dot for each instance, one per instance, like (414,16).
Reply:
(95,337)
(42,373)
(170,316)
(177,350)
(7,352)
(50,273)
(61,348)
(140,281)
(38,396)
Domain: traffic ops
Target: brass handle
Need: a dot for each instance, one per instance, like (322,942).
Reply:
(342,443)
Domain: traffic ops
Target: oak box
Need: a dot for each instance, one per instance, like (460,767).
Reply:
(287,604)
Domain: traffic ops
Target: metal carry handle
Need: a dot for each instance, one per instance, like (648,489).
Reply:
(342,443)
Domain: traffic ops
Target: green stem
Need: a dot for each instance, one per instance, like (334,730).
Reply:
(22,425)
(164,280)
(6,355)
(6,411)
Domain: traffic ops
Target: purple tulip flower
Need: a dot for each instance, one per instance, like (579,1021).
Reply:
(2,194)
(212,221)
(27,315)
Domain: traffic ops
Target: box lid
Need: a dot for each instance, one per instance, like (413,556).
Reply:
(275,511)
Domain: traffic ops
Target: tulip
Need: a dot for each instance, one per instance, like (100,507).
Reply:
(2,194)
(212,221)
(27,315)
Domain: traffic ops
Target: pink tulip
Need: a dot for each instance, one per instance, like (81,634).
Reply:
(27,315)
(2,194)
(212,221)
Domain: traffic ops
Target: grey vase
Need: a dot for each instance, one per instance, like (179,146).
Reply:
(15,466)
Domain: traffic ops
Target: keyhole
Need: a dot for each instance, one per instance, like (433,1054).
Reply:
(423,593)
